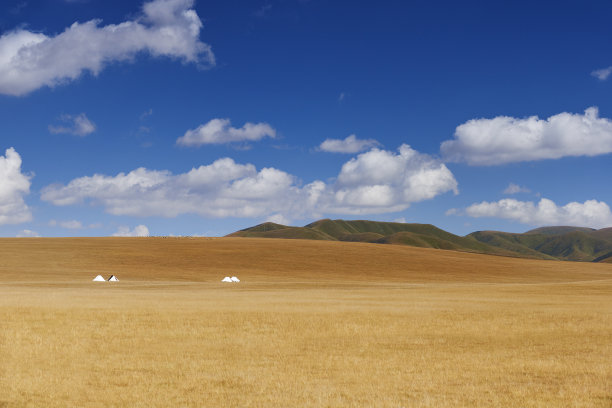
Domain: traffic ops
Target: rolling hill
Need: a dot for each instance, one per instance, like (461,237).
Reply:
(418,235)
(552,243)
(563,243)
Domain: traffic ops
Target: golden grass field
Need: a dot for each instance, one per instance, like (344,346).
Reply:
(312,324)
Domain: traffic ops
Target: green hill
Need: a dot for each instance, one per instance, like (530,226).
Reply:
(511,242)
(558,230)
(604,233)
(433,241)
(607,258)
(576,246)
(563,243)
(271,230)
(553,243)
(421,235)
(362,237)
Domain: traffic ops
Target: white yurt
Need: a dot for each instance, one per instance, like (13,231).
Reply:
(113,278)
(99,278)
(235,279)
(226,279)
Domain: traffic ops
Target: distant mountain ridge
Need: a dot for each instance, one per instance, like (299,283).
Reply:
(563,243)
(554,243)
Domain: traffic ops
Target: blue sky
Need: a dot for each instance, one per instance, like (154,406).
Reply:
(200,118)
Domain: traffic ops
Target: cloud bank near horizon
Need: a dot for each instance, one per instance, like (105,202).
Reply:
(138,231)
(591,213)
(229,189)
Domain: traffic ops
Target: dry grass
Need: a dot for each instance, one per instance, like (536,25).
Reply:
(313,324)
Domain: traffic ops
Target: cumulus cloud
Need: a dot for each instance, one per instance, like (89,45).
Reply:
(515,189)
(602,74)
(278,219)
(591,213)
(26,233)
(138,231)
(78,125)
(221,189)
(220,131)
(382,181)
(169,28)
(14,185)
(487,142)
(377,181)
(348,145)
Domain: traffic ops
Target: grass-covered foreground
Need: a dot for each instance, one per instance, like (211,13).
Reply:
(311,324)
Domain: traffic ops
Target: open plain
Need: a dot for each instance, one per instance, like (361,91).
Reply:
(311,324)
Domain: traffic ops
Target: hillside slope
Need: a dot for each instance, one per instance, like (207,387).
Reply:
(53,261)
(553,243)
(272,230)
(563,243)
(419,235)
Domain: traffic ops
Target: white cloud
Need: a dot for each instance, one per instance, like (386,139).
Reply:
(401,220)
(487,142)
(278,219)
(452,211)
(138,231)
(378,181)
(602,74)
(14,185)
(30,60)
(219,131)
(72,224)
(221,189)
(348,145)
(381,181)
(515,189)
(26,233)
(78,125)
(591,213)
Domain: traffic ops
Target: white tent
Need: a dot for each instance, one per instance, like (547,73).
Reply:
(226,279)
(99,278)
(235,279)
(113,278)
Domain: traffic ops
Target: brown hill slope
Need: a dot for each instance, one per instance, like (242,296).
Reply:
(300,262)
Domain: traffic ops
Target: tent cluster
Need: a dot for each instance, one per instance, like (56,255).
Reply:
(100,278)
(232,279)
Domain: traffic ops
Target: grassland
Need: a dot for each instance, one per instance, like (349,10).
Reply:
(312,324)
